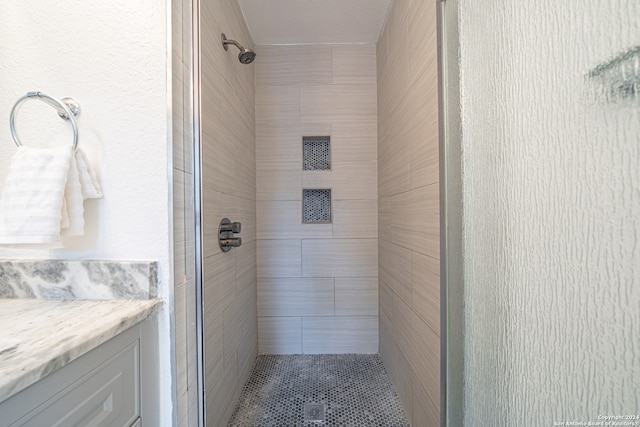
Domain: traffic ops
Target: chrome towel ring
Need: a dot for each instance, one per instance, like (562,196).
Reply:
(67,108)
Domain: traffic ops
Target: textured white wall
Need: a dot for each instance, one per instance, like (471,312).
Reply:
(112,58)
(552,211)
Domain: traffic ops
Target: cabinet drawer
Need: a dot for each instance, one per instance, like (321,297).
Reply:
(106,396)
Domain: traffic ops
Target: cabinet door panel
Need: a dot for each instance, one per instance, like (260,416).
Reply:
(106,396)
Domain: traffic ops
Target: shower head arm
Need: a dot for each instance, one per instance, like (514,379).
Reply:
(246,56)
(226,42)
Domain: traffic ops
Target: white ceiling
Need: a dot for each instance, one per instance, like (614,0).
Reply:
(314,21)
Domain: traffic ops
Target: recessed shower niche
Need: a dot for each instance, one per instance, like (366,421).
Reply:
(316,153)
(316,206)
(316,203)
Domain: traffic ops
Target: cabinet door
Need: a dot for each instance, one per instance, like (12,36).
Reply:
(106,396)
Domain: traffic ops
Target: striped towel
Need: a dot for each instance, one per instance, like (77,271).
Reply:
(43,196)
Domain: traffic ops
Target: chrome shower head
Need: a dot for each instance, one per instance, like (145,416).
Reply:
(246,56)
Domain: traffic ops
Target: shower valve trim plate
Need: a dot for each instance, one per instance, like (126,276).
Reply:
(226,234)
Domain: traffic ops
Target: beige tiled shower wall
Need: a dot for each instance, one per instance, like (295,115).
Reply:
(408,211)
(186,357)
(228,190)
(317,283)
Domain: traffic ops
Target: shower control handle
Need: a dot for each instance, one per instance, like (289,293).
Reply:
(234,227)
(233,242)
(227,235)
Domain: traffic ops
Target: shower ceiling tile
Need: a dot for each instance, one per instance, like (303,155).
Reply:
(314,21)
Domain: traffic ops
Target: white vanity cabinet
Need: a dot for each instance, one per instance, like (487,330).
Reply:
(104,387)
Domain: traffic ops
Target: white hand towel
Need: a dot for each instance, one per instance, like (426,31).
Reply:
(73,200)
(43,195)
(82,184)
(33,194)
(90,185)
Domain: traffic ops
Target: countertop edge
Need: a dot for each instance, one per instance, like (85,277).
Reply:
(51,361)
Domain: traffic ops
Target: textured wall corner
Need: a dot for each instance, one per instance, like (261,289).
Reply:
(75,279)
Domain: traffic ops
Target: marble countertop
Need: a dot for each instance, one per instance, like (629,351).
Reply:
(38,336)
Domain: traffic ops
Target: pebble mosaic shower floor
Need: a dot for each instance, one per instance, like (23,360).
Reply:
(346,390)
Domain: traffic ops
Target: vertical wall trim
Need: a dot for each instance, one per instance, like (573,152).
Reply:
(443,213)
(197,200)
(451,211)
(170,203)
